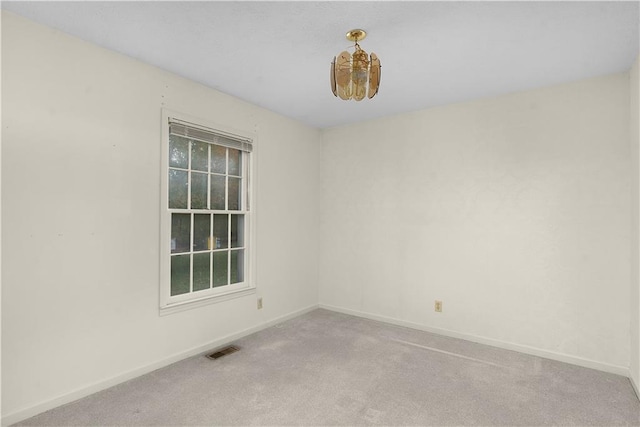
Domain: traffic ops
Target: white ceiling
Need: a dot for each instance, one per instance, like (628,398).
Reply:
(277,54)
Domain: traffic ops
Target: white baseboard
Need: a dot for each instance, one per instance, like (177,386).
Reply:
(635,386)
(31,411)
(574,360)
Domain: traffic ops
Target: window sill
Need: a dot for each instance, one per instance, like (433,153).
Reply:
(188,305)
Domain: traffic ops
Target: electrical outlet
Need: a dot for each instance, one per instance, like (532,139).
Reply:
(259,303)
(438,306)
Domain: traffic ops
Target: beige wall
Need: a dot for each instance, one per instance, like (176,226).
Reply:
(634,133)
(81,198)
(514,211)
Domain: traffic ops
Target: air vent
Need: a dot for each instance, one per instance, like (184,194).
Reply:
(223,352)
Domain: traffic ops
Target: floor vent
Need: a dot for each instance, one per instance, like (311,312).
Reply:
(223,352)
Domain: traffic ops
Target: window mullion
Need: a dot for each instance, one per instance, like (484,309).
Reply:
(189,175)
(211,247)
(191,253)
(245,217)
(244,182)
(226,180)
(209,176)
(229,249)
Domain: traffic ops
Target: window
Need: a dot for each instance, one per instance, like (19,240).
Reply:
(206,220)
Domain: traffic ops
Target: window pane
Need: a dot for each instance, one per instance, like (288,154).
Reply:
(180,232)
(237,231)
(177,189)
(237,266)
(199,156)
(234,162)
(207,248)
(234,194)
(218,159)
(178,152)
(217,192)
(180,268)
(198,190)
(201,271)
(220,268)
(220,230)
(201,232)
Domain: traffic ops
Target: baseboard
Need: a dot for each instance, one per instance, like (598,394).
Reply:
(31,411)
(635,386)
(587,363)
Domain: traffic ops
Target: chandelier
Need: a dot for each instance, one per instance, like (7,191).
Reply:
(355,76)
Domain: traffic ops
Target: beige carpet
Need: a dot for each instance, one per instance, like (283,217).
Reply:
(326,368)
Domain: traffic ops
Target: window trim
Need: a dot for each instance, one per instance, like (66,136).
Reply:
(182,302)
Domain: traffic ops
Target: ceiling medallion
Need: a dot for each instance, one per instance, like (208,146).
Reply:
(355,76)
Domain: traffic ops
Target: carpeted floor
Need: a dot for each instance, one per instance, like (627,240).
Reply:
(326,368)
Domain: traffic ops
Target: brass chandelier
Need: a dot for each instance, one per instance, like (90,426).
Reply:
(355,76)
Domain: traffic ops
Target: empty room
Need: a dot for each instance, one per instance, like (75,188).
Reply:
(320,213)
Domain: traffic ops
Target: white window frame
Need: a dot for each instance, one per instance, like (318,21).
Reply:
(170,304)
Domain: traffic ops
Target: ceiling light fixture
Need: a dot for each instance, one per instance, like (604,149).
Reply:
(351,75)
